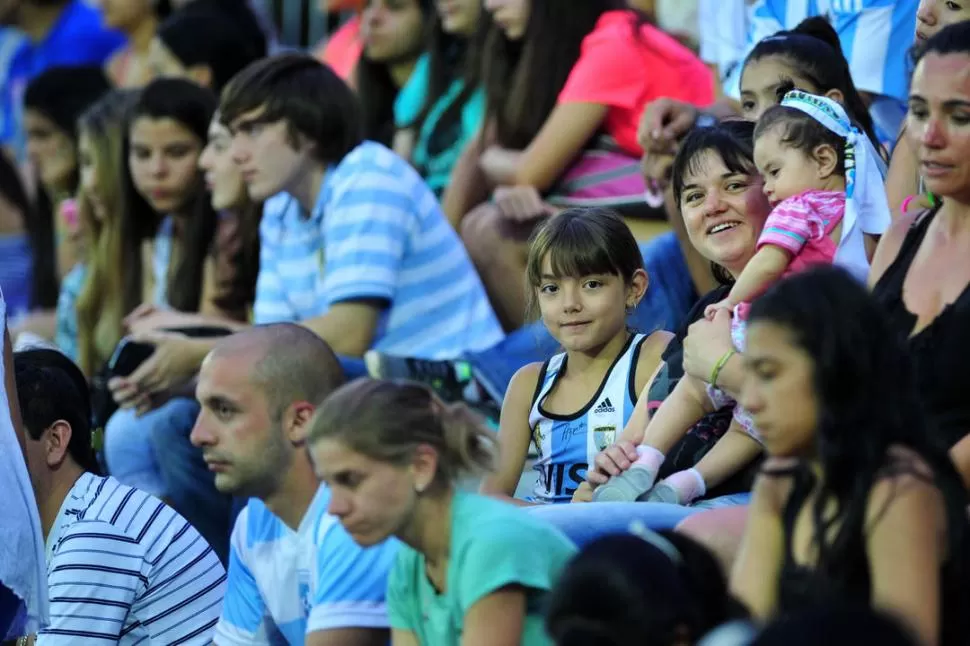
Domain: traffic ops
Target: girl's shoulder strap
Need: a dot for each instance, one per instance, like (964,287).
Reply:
(544,371)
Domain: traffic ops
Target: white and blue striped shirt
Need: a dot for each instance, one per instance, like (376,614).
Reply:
(124,568)
(376,232)
(723,30)
(876,38)
(285,584)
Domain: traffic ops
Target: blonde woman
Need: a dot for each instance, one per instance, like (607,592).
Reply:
(95,295)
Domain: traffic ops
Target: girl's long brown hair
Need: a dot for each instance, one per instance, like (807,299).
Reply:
(112,284)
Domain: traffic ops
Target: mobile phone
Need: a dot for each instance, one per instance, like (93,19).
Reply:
(128,356)
(201,331)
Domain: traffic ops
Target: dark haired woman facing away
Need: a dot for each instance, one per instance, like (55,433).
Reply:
(638,589)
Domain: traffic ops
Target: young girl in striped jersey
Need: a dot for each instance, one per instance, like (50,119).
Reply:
(820,176)
(585,275)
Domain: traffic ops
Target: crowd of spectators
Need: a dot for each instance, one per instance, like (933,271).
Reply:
(485,322)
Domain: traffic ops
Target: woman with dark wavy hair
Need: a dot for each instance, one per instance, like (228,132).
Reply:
(857,503)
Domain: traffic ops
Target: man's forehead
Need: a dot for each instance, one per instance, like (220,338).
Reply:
(225,371)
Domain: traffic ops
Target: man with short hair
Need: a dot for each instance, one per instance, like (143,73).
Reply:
(295,575)
(122,566)
(354,245)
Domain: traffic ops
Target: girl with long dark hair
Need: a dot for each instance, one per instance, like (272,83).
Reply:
(441,107)
(394,38)
(857,502)
(167,130)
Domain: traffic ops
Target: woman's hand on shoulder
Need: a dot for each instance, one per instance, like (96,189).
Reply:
(711,310)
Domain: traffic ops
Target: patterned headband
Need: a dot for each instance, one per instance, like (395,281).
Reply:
(823,109)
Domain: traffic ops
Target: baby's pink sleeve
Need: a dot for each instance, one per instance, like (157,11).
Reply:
(790,225)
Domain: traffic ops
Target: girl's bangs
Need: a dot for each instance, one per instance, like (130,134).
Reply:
(574,253)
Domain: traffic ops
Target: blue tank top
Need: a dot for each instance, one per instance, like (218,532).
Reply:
(566,444)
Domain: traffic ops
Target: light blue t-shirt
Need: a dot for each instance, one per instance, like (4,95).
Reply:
(65,335)
(285,584)
(436,151)
(376,233)
(493,545)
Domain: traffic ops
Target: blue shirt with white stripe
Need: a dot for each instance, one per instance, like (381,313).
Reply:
(285,584)
(876,37)
(375,233)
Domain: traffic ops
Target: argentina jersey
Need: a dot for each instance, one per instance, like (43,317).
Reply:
(566,444)
(876,37)
(285,584)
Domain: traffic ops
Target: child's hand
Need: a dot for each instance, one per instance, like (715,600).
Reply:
(583,493)
(521,203)
(611,461)
(711,310)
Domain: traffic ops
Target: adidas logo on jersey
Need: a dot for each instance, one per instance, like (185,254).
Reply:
(605,406)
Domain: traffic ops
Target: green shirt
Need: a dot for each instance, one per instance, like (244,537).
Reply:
(436,153)
(493,545)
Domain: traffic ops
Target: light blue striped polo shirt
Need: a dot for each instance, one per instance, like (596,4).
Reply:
(285,584)
(376,232)
(876,37)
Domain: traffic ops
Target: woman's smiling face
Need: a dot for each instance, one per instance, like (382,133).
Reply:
(724,211)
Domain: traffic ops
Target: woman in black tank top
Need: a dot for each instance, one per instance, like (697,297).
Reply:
(940,349)
(857,504)
(921,273)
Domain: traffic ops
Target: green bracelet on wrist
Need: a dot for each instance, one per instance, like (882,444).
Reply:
(719,366)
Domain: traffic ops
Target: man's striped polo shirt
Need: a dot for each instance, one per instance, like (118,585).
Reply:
(122,567)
